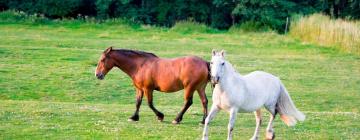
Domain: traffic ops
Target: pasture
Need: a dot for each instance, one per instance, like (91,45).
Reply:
(48,88)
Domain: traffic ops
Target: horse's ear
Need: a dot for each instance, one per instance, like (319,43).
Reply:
(222,53)
(213,52)
(108,50)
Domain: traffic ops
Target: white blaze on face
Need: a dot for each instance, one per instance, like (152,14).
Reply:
(217,66)
(99,71)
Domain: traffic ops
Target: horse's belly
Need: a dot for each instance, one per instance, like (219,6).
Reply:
(241,109)
(248,108)
(227,107)
(226,103)
(169,86)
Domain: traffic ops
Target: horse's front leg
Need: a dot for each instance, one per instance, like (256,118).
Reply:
(149,96)
(188,100)
(213,111)
(139,96)
(232,119)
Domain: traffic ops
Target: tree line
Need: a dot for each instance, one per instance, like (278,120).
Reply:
(220,14)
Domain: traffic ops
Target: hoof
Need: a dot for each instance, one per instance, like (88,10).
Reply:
(175,122)
(270,136)
(134,118)
(131,120)
(160,117)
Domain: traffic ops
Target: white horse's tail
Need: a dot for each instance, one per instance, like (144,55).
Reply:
(286,108)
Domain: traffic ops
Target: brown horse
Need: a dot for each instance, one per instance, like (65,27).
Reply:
(149,72)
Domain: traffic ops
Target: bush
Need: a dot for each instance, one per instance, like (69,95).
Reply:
(249,26)
(12,16)
(190,26)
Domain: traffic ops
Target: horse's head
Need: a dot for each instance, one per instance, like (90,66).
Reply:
(105,64)
(217,66)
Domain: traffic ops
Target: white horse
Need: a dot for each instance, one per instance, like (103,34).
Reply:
(236,93)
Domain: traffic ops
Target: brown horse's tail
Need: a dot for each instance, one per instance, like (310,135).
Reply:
(208,67)
(209,74)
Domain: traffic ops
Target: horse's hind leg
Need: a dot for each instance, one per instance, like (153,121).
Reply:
(149,96)
(188,100)
(139,96)
(204,102)
(258,124)
(270,134)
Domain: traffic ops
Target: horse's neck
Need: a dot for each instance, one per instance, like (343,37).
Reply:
(127,64)
(231,72)
(230,76)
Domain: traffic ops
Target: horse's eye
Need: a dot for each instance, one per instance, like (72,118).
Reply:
(211,63)
(223,63)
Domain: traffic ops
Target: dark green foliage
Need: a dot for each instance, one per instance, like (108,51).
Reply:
(3,5)
(50,8)
(272,13)
(220,14)
(341,8)
(355,9)
(59,8)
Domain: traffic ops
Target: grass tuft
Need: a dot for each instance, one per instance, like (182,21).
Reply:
(12,16)
(249,26)
(16,17)
(322,30)
(190,27)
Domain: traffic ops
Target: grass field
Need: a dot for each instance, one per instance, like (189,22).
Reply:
(48,88)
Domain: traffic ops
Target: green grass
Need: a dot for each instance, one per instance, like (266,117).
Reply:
(48,88)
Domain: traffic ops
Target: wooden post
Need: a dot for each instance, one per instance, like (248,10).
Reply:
(287,24)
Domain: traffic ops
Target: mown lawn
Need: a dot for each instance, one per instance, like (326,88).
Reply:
(48,88)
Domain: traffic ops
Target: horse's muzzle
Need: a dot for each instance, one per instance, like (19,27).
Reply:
(215,79)
(99,76)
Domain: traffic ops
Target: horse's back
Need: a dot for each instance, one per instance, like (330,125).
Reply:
(264,85)
(174,74)
(182,65)
(262,80)
(194,70)
(260,75)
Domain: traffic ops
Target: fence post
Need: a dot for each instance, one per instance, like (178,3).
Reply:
(287,24)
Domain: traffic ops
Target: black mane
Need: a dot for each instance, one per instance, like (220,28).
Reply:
(131,53)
